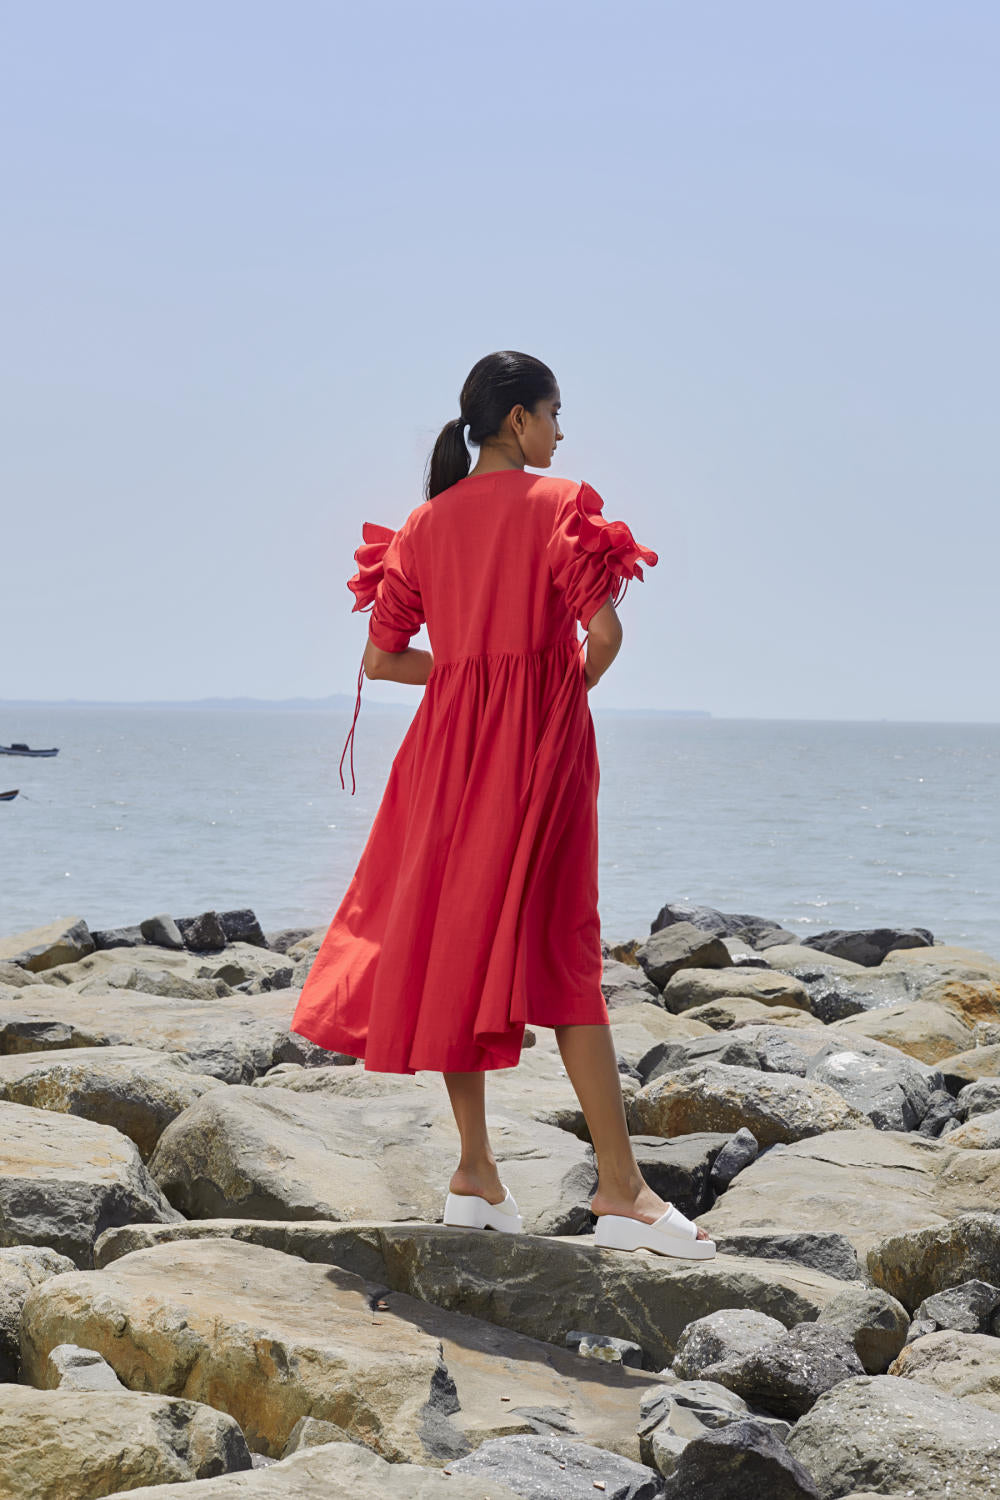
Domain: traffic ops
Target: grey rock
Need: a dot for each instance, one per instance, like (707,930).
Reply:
(310,1432)
(680,946)
(12,976)
(76,1369)
(942,1113)
(758,932)
(728,1331)
(162,930)
(915,1264)
(875,1323)
(877,1432)
(242,926)
(823,1249)
(868,945)
(892,1089)
(971,1307)
(680,1167)
(202,934)
(744,1459)
(117,937)
(979,1098)
(625,984)
(284,939)
(787,1375)
(738,1152)
(539,1468)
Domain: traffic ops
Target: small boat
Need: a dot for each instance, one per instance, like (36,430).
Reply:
(9,796)
(19,748)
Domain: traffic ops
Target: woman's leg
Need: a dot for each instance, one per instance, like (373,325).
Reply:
(589,1056)
(477,1172)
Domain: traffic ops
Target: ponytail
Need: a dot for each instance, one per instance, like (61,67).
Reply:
(496,384)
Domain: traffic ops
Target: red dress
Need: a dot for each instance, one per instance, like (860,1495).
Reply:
(473,908)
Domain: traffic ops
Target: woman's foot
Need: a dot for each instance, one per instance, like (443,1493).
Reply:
(479,1182)
(643,1204)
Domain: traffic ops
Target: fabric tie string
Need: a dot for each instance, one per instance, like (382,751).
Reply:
(350,737)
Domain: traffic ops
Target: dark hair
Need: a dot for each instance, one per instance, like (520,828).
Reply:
(492,387)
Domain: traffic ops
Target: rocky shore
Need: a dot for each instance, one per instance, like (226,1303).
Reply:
(223,1268)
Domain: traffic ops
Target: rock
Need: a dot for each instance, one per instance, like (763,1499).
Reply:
(738,1152)
(980,1062)
(740,1460)
(680,1169)
(713,1096)
(14,977)
(689,987)
(772,1049)
(670,1415)
(732,1011)
(806,963)
(77,1444)
(680,946)
(868,945)
(914,1264)
(342,1471)
(875,1323)
(60,942)
(835,1180)
(538,1468)
(117,937)
(758,932)
(966,1365)
(788,1373)
(310,1432)
(824,1250)
(922,1028)
(71,1368)
(280,942)
(543,1286)
(880,1433)
(636,1028)
(63,1180)
(271,1338)
(729,1331)
(892,1089)
(21,1268)
(274,1153)
(971,1307)
(982,1133)
(138,1090)
(980,1097)
(833,995)
(162,931)
(941,1115)
(242,927)
(202,934)
(232,1039)
(626,984)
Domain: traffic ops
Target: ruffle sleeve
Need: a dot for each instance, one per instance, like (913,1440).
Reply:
(592,559)
(385,587)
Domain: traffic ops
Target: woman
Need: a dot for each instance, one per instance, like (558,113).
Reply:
(473,909)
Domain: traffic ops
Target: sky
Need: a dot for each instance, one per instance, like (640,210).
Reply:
(251,252)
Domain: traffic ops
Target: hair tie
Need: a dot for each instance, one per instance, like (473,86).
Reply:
(460,420)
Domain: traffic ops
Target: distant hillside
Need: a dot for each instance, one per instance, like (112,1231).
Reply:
(333,701)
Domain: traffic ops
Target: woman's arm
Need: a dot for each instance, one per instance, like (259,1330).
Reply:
(604,638)
(412,665)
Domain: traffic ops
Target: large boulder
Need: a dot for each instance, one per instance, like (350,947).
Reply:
(681,946)
(914,1262)
(271,1338)
(714,1096)
(536,1467)
(744,1458)
(833,1180)
(138,1090)
(79,1444)
(60,942)
(336,1471)
(924,1029)
(759,932)
(876,1432)
(21,1268)
(545,1286)
(272,1153)
(960,1364)
(868,945)
(63,1180)
(690,987)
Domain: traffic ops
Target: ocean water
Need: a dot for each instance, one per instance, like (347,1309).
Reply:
(812,824)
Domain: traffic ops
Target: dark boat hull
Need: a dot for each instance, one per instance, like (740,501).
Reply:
(9,796)
(12,750)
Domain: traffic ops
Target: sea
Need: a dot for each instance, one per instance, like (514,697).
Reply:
(814,825)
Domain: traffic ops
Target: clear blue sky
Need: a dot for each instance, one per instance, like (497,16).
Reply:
(252,250)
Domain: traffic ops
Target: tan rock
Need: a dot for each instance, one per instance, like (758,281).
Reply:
(740,1010)
(58,942)
(981,1133)
(790,957)
(914,1262)
(337,1471)
(978,1062)
(921,1028)
(78,1445)
(692,987)
(545,1286)
(960,1364)
(716,1096)
(138,1090)
(865,1183)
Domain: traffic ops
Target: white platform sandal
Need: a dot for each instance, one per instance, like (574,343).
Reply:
(466,1211)
(670,1234)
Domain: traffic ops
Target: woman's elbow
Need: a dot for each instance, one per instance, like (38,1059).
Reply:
(373,660)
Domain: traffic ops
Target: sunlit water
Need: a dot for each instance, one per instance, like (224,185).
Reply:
(814,825)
